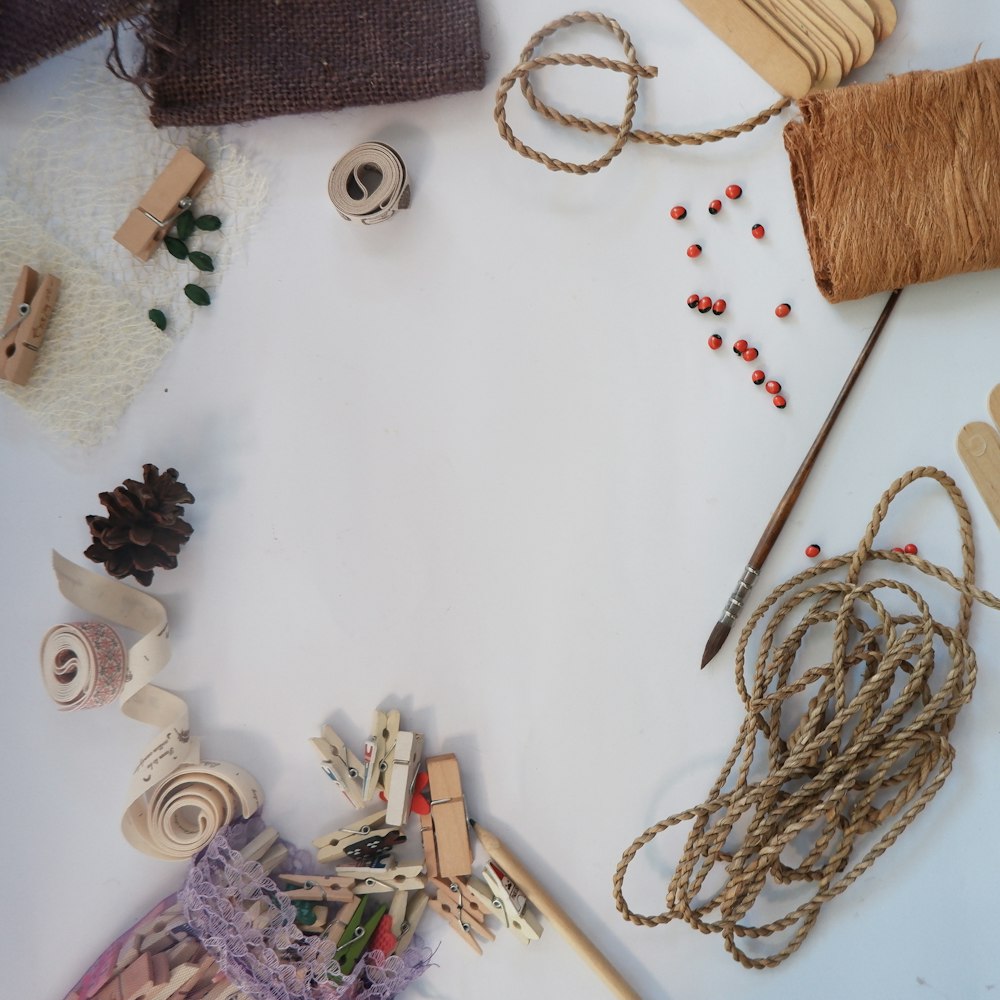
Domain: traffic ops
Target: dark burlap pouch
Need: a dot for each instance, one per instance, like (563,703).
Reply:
(33,30)
(210,62)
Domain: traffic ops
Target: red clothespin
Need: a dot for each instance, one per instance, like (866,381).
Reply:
(170,194)
(26,322)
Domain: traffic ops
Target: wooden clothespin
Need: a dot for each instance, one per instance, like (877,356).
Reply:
(406,910)
(319,888)
(334,845)
(405,763)
(510,904)
(463,911)
(170,194)
(335,930)
(355,939)
(378,750)
(340,765)
(25,324)
(369,880)
(451,849)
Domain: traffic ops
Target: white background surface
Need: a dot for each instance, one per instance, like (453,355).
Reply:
(477,463)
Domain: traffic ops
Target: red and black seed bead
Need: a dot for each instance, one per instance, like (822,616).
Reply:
(704,304)
(678,212)
(758,377)
(757,231)
(740,346)
(693,300)
(812,550)
(715,342)
(782,310)
(734,191)
(694,250)
(779,402)
(719,306)
(714,207)
(773,387)
(910,549)
(750,354)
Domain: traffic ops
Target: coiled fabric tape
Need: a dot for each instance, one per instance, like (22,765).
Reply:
(177,802)
(369,183)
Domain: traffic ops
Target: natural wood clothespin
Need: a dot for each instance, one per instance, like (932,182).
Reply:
(452,851)
(25,324)
(170,194)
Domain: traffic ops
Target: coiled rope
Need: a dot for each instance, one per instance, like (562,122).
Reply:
(623,131)
(842,780)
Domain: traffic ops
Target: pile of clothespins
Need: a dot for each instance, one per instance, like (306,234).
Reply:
(393,769)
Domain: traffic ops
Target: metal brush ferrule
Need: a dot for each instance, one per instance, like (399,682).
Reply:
(735,603)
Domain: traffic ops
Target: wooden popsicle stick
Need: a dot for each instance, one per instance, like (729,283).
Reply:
(885,14)
(857,30)
(863,11)
(756,44)
(795,13)
(978,446)
(814,60)
(993,403)
(833,39)
(827,12)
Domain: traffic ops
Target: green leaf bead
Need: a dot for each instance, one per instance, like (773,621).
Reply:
(184,224)
(197,295)
(177,247)
(158,319)
(208,223)
(201,260)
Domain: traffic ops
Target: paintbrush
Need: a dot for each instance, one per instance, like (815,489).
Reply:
(735,603)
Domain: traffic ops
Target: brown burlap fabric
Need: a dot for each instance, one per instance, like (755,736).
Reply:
(896,182)
(210,62)
(33,30)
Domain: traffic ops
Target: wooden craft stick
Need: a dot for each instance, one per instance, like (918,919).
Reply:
(550,909)
(978,446)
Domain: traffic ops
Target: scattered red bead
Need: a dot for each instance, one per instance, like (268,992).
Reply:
(750,354)
(719,306)
(734,191)
(910,549)
(779,402)
(812,550)
(740,346)
(714,207)
(693,300)
(783,310)
(678,212)
(694,250)
(704,304)
(773,387)
(757,231)
(715,342)
(758,377)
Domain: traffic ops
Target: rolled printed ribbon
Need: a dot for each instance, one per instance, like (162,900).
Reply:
(176,801)
(369,183)
(84,665)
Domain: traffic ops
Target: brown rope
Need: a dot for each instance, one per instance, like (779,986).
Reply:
(623,131)
(845,777)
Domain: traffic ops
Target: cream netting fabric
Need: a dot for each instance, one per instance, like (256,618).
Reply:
(79,170)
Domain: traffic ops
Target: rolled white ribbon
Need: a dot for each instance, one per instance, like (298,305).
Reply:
(369,183)
(176,801)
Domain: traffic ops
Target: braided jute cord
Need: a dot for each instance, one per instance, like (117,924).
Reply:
(623,131)
(841,779)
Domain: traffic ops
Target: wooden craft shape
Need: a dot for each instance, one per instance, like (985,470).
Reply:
(452,850)
(170,194)
(25,324)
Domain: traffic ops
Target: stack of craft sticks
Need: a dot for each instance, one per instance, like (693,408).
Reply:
(799,46)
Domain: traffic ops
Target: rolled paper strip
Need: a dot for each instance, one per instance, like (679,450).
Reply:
(179,816)
(84,665)
(369,183)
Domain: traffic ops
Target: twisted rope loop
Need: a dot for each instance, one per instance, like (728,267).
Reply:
(840,780)
(623,131)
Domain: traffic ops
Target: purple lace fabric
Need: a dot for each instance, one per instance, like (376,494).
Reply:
(266,955)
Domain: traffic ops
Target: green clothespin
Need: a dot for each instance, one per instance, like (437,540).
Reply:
(354,940)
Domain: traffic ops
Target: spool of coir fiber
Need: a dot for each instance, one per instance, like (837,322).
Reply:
(897,182)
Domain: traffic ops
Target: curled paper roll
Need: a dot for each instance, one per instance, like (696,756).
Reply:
(369,183)
(83,665)
(176,801)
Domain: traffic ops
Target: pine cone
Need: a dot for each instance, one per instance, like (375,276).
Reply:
(143,529)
